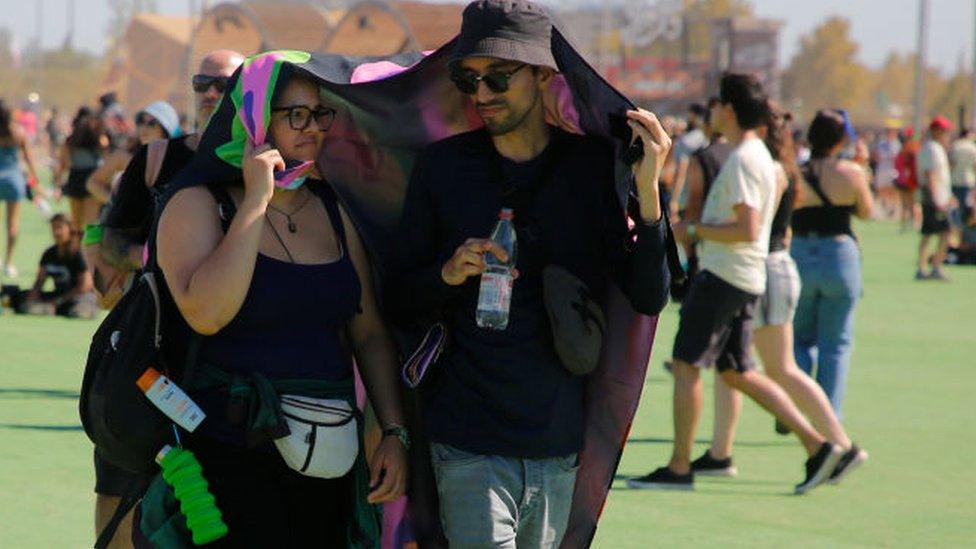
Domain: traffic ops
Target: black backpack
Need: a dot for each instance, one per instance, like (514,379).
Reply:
(126,428)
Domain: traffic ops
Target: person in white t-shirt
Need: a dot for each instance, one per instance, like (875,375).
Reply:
(717,315)
(935,189)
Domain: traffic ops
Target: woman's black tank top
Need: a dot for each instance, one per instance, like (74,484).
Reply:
(824,220)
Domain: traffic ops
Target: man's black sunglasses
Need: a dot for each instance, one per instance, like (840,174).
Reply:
(300,117)
(497,81)
(202,83)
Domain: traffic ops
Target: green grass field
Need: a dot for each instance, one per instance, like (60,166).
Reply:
(909,404)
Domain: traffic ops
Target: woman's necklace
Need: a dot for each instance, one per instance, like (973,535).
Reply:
(292,227)
(278,236)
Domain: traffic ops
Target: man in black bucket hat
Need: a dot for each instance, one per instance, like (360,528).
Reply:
(503,411)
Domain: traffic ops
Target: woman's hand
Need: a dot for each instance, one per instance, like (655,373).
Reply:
(388,471)
(258,166)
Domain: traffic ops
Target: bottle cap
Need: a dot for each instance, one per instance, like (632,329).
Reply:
(161,455)
(506,213)
(146,380)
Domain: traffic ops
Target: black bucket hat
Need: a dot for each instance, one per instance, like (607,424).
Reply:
(515,30)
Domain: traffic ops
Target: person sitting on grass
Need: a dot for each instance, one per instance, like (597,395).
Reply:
(63,263)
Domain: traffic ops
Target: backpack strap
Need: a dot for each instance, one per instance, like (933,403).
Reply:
(155,154)
(133,494)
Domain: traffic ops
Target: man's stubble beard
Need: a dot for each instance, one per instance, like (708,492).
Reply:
(513,121)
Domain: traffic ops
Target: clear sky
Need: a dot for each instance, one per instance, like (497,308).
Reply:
(880,25)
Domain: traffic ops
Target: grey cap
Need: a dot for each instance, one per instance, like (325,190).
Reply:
(516,30)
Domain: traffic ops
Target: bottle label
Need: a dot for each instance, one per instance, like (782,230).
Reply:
(496,292)
(171,400)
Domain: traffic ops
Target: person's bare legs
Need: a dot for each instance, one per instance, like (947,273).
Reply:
(104,509)
(77,207)
(774,399)
(728,408)
(923,253)
(13,230)
(939,257)
(687,410)
(775,346)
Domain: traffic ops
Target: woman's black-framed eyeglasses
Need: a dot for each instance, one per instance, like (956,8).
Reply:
(301,116)
(202,83)
(497,81)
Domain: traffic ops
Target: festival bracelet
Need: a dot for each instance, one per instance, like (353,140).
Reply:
(400,432)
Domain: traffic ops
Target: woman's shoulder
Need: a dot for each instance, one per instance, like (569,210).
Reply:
(190,200)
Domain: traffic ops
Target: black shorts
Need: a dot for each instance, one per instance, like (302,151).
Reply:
(933,220)
(716,325)
(113,481)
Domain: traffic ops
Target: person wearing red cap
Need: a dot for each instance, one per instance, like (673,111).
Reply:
(935,186)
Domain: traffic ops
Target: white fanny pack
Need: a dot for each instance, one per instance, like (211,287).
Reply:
(324,439)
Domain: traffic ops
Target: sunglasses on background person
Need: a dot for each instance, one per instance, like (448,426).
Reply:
(496,80)
(301,116)
(146,120)
(202,83)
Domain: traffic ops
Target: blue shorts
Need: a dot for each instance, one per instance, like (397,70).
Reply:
(13,188)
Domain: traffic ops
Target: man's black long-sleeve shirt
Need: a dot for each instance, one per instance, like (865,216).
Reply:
(506,392)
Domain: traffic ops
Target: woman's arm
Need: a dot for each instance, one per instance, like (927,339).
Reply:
(35,293)
(28,158)
(863,200)
(376,358)
(209,273)
(99,183)
(63,164)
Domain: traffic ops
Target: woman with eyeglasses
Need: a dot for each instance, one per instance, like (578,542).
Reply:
(827,255)
(285,294)
(79,157)
(158,120)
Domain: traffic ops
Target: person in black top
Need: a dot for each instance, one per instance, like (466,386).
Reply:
(125,224)
(64,265)
(503,413)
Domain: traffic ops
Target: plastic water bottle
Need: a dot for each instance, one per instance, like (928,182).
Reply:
(495,296)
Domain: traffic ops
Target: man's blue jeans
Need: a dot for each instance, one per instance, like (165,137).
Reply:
(830,274)
(502,502)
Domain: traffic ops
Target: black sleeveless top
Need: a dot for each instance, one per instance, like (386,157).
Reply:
(824,220)
(290,324)
(784,214)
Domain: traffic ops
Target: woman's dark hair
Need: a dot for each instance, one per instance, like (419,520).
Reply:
(779,141)
(826,131)
(749,102)
(6,119)
(82,134)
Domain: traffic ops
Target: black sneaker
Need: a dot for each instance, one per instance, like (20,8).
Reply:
(781,428)
(663,479)
(820,466)
(851,460)
(707,466)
